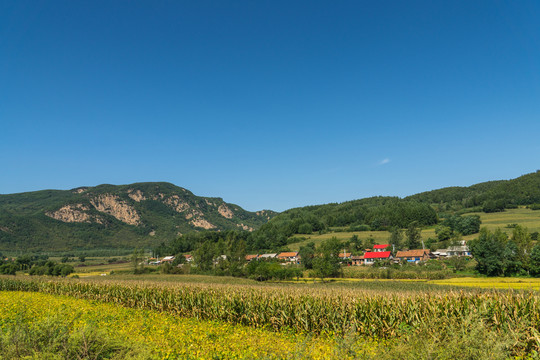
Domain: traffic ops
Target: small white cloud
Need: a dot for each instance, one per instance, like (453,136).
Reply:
(384,161)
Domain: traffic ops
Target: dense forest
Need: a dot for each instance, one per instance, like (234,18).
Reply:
(376,213)
(489,196)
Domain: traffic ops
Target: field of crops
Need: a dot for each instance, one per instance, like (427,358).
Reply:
(123,333)
(525,217)
(398,317)
(532,284)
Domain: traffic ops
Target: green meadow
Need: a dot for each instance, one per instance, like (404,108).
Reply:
(521,216)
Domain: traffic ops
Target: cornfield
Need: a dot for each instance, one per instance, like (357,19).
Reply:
(307,311)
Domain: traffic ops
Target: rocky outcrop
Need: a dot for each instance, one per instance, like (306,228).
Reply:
(75,213)
(136,195)
(112,205)
(245,227)
(225,211)
(202,223)
(177,204)
(263,213)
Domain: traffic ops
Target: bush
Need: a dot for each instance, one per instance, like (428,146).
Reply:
(271,270)
(8,269)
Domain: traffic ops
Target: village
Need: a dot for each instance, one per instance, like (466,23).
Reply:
(380,252)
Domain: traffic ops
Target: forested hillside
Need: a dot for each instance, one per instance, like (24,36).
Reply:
(376,213)
(148,214)
(489,196)
(112,217)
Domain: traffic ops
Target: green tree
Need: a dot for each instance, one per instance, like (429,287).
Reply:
(369,242)
(413,234)
(524,244)
(203,256)
(236,254)
(489,252)
(355,244)
(534,264)
(326,263)
(137,261)
(396,237)
(444,233)
(307,254)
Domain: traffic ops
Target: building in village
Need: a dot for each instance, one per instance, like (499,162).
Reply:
(371,256)
(415,256)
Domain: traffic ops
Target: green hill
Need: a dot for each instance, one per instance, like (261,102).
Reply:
(488,196)
(114,217)
(382,213)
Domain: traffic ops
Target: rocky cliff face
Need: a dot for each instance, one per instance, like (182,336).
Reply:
(76,213)
(126,215)
(112,205)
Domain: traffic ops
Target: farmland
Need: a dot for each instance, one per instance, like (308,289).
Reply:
(522,216)
(201,317)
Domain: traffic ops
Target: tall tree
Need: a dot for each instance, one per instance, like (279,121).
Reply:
(396,237)
(522,238)
(489,252)
(307,253)
(326,263)
(204,256)
(413,234)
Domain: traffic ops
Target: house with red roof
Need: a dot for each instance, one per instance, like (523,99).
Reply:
(371,256)
(251,257)
(415,256)
(288,256)
(380,248)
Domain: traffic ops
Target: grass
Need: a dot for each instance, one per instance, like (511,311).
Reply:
(381,319)
(532,284)
(140,334)
(522,216)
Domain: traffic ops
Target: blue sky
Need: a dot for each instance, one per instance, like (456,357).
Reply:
(269,104)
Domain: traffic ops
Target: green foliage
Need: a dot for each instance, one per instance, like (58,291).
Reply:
(137,261)
(413,234)
(396,238)
(535,260)
(326,262)
(8,269)
(307,254)
(262,270)
(444,233)
(492,206)
(51,268)
(490,250)
(465,225)
(25,222)
(491,196)
(57,337)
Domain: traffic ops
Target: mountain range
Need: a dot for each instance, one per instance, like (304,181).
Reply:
(114,216)
(147,214)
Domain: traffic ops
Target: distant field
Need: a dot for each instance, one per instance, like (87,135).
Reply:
(522,216)
(492,283)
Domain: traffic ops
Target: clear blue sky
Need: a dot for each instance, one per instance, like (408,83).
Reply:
(269,104)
